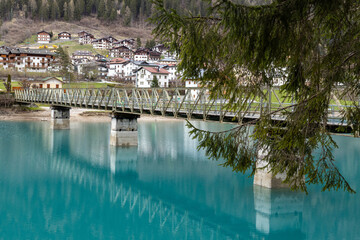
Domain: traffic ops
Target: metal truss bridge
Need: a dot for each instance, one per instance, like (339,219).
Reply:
(189,103)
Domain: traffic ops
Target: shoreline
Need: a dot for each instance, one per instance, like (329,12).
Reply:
(76,115)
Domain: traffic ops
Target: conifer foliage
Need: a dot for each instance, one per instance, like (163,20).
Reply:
(240,46)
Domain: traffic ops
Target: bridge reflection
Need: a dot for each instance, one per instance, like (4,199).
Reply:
(163,184)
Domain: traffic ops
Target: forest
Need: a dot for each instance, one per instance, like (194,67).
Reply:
(125,11)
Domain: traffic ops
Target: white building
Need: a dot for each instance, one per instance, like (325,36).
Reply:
(43,37)
(145,76)
(49,82)
(28,60)
(64,36)
(116,67)
(103,43)
(86,39)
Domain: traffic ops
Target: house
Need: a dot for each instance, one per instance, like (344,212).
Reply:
(83,55)
(116,67)
(86,39)
(141,54)
(129,43)
(173,73)
(122,52)
(102,67)
(154,56)
(43,37)
(29,60)
(103,43)
(83,33)
(49,82)
(145,76)
(168,61)
(64,36)
(161,48)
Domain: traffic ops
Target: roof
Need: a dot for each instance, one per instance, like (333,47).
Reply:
(118,61)
(157,70)
(44,32)
(88,53)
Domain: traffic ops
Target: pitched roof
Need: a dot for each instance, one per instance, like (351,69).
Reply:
(44,32)
(118,61)
(157,70)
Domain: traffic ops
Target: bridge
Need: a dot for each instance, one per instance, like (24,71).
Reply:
(127,104)
(187,103)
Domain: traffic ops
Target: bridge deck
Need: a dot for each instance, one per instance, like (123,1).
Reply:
(188,103)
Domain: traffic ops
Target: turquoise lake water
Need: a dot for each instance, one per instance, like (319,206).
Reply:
(70,184)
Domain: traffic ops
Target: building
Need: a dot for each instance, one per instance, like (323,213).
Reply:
(49,82)
(145,76)
(115,67)
(83,33)
(103,43)
(154,56)
(83,55)
(29,60)
(129,43)
(43,37)
(142,54)
(86,39)
(121,52)
(64,36)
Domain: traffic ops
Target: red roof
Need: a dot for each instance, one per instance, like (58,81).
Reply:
(156,70)
(117,60)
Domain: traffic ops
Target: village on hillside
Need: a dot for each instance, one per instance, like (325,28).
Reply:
(111,61)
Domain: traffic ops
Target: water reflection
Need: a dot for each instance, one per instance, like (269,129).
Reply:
(60,184)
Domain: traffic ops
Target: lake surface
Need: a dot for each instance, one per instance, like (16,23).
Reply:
(70,184)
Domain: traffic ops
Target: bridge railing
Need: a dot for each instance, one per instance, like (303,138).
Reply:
(176,102)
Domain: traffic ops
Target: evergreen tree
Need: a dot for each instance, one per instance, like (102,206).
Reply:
(127,16)
(55,11)
(238,49)
(101,9)
(138,42)
(71,8)
(155,82)
(66,12)
(64,62)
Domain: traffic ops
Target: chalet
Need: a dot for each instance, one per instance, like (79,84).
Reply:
(142,54)
(30,60)
(122,52)
(86,39)
(103,43)
(64,36)
(168,61)
(154,56)
(43,37)
(83,33)
(161,48)
(129,43)
(83,55)
(49,82)
(145,76)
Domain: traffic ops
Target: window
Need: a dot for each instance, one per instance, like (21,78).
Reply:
(41,86)
(48,85)
(57,85)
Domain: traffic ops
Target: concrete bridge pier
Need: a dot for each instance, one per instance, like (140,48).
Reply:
(263,177)
(60,117)
(124,129)
(278,210)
